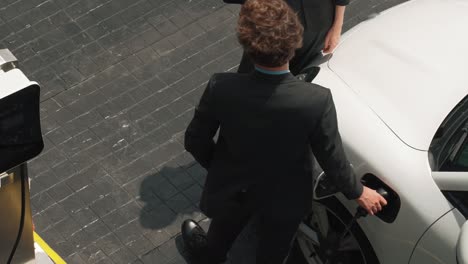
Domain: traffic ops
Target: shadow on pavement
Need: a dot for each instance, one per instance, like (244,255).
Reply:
(167,196)
(164,196)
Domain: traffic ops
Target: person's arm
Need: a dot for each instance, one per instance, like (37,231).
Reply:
(334,33)
(201,130)
(328,150)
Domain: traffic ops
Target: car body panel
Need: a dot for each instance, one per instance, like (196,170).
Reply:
(408,66)
(462,245)
(439,243)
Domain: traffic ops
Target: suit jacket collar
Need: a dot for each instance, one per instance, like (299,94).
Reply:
(272,78)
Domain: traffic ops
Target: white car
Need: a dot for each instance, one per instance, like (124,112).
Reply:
(400,86)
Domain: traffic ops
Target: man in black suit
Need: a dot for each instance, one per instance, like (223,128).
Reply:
(322,21)
(270,127)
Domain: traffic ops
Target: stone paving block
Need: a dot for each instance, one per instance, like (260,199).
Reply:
(129,232)
(83,215)
(147,55)
(75,258)
(198,173)
(41,222)
(164,153)
(133,170)
(193,193)
(178,203)
(157,237)
(177,176)
(179,106)
(105,261)
(110,202)
(154,257)
(132,62)
(66,227)
(168,95)
(163,25)
(46,179)
(140,246)
(66,169)
(40,202)
(191,81)
(73,204)
(64,247)
(127,155)
(179,123)
(148,201)
(157,219)
(143,40)
(181,18)
(109,244)
(92,253)
(96,230)
(170,249)
(163,47)
(121,158)
(170,76)
(55,213)
(86,177)
(59,191)
(214,19)
(36,188)
(162,115)
(88,194)
(114,220)
(123,256)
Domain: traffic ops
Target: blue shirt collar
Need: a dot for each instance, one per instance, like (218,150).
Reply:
(271,72)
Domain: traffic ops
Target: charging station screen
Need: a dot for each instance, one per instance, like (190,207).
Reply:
(20,129)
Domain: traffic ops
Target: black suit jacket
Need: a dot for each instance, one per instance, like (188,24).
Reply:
(269,128)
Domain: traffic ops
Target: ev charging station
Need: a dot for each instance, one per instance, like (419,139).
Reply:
(20,141)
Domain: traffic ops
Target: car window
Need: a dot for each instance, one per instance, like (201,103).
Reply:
(448,150)
(462,159)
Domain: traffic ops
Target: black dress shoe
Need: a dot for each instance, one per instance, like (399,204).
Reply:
(194,238)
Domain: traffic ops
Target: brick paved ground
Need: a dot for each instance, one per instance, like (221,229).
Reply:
(120,80)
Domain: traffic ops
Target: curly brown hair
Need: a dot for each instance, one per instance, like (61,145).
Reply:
(269,31)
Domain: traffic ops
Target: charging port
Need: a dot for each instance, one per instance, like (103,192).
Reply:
(389,212)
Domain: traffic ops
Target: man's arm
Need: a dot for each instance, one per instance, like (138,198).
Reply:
(328,150)
(333,37)
(201,130)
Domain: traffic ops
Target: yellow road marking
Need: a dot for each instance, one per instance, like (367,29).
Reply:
(49,251)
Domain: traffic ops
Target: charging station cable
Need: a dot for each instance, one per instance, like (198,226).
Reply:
(23,205)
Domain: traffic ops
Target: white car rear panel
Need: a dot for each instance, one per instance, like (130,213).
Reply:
(409,65)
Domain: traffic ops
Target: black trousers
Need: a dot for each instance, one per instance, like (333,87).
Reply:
(276,232)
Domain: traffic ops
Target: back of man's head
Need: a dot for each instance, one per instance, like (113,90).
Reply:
(269,31)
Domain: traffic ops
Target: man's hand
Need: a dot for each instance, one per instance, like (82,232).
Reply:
(371,201)
(332,39)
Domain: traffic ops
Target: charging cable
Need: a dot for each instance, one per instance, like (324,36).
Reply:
(23,175)
(360,212)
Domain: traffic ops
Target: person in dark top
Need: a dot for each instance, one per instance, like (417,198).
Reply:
(322,21)
(271,125)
